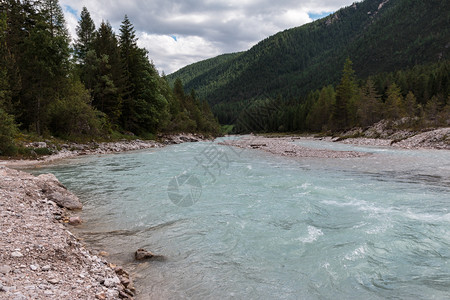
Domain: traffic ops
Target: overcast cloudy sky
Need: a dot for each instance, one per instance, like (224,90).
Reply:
(178,33)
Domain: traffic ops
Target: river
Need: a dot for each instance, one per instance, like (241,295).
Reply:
(245,224)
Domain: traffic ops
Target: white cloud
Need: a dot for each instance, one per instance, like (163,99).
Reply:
(204,28)
(174,55)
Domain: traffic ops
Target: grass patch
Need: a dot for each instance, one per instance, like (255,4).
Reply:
(227,129)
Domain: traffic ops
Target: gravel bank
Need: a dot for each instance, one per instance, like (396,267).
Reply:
(382,134)
(39,257)
(283,146)
(72,149)
(432,139)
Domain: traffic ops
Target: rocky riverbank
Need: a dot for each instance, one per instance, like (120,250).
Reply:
(433,139)
(69,150)
(377,135)
(39,257)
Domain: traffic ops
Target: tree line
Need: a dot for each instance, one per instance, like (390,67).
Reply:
(419,97)
(101,86)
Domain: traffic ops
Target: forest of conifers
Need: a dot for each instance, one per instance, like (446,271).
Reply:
(402,42)
(418,97)
(101,86)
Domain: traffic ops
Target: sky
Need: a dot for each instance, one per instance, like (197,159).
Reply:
(179,33)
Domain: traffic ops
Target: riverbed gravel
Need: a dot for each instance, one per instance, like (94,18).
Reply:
(39,257)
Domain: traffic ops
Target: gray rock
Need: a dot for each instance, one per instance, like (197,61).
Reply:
(46,268)
(9,288)
(112,294)
(5,269)
(16,254)
(57,192)
(65,199)
(125,281)
(74,221)
(1,287)
(40,145)
(111,282)
(53,281)
(19,296)
(141,254)
(33,267)
(101,296)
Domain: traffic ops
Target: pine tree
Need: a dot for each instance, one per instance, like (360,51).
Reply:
(85,35)
(319,115)
(5,91)
(102,73)
(346,92)
(39,43)
(370,105)
(54,16)
(394,103)
(432,109)
(144,106)
(410,105)
(128,53)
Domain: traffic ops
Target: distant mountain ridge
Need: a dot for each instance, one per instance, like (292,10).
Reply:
(377,35)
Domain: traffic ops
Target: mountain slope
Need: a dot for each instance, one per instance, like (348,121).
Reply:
(378,35)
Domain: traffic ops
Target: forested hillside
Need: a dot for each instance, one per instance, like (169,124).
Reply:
(102,86)
(379,36)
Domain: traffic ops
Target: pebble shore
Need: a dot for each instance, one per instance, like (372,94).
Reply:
(73,149)
(39,257)
(283,146)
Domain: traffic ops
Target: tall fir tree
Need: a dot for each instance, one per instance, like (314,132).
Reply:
(394,108)
(346,92)
(128,55)
(370,105)
(102,73)
(85,36)
(319,115)
(410,105)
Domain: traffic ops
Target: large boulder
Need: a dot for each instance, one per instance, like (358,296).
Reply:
(57,192)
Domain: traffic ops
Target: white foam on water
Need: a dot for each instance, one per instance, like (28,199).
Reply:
(313,234)
(424,217)
(357,253)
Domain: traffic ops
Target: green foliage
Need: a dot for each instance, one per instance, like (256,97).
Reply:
(72,116)
(85,35)
(346,93)
(189,114)
(227,129)
(8,131)
(319,116)
(410,105)
(109,88)
(370,106)
(394,103)
(317,111)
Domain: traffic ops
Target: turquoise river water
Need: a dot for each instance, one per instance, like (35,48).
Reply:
(245,224)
